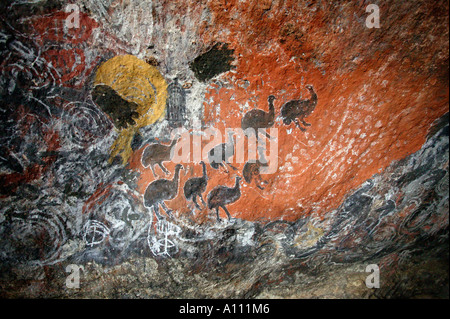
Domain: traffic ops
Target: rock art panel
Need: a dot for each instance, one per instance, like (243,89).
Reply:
(265,140)
(297,110)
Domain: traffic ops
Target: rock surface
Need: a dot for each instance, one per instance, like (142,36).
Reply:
(361,165)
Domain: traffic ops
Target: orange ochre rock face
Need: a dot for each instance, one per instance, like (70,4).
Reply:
(378,89)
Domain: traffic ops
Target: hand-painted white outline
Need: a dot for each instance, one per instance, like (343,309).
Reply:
(95,227)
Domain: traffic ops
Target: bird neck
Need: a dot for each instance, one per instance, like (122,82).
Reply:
(205,176)
(271,109)
(313,96)
(236,184)
(174,141)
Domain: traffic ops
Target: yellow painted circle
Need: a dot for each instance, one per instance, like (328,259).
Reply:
(136,81)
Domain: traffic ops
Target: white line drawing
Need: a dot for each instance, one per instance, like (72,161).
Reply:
(41,231)
(83,124)
(160,240)
(94,233)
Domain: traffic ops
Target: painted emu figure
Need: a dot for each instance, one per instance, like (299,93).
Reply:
(298,110)
(221,154)
(156,154)
(161,190)
(257,118)
(195,186)
(222,195)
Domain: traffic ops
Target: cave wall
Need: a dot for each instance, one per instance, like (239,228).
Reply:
(94,94)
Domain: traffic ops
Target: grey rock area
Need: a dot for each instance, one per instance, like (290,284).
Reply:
(242,259)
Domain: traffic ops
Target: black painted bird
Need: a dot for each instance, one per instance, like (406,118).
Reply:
(257,118)
(222,195)
(298,110)
(220,154)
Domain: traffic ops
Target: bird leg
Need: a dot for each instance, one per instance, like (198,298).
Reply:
(217,213)
(298,125)
(194,199)
(166,209)
(266,134)
(153,171)
(304,123)
(155,209)
(235,168)
(223,166)
(226,211)
(260,181)
(164,169)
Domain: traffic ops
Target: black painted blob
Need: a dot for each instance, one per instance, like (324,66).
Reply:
(215,61)
(121,111)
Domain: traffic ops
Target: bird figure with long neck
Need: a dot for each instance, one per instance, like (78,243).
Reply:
(162,190)
(222,195)
(297,110)
(257,118)
(195,186)
(221,154)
